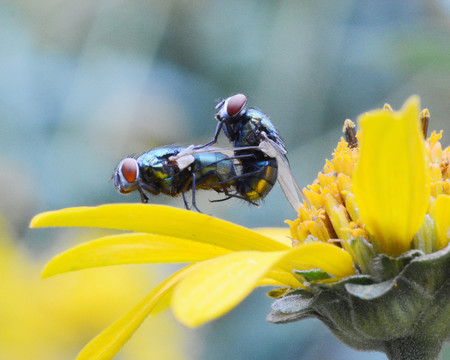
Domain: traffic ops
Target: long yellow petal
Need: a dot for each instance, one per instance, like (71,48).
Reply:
(391,178)
(130,248)
(280,234)
(162,220)
(442,213)
(216,286)
(108,343)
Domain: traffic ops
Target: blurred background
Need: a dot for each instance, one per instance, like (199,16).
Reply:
(84,84)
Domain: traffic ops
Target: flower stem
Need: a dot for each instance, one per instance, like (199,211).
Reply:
(412,349)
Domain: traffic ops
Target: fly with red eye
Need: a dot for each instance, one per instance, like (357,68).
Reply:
(242,126)
(173,171)
(252,128)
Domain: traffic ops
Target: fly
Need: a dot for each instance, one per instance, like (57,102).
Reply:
(174,170)
(252,128)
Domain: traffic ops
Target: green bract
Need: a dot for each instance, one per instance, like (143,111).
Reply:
(405,316)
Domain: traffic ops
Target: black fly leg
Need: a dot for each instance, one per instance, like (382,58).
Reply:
(194,205)
(224,199)
(216,136)
(186,204)
(144,198)
(235,196)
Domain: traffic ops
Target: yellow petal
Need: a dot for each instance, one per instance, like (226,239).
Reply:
(130,249)
(280,234)
(108,343)
(216,286)
(162,220)
(391,178)
(281,277)
(268,281)
(324,256)
(442,214)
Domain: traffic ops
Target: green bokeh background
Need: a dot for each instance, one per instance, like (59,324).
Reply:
(85,83)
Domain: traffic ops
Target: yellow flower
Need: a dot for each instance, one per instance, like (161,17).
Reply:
(370,199)
(384,197)
(392,189)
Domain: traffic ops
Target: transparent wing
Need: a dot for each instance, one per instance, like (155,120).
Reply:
(186,157)
(199,149)
(285,178)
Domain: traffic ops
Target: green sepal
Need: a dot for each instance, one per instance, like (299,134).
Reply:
(410,310)
(313,274)
(292,307)
(385,267)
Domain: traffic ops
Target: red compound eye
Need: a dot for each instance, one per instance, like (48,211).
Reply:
(129,170)
(235,104)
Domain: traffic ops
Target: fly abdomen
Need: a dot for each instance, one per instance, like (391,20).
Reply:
(258,177)
(213,171)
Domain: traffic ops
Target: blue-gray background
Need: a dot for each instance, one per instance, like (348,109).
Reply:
(85,83)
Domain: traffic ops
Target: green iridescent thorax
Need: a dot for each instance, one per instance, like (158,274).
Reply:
(250,131)
(157,170)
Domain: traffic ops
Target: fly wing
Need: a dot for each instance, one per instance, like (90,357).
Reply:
(199,149)
(183,161)
(285,178)
(186,156)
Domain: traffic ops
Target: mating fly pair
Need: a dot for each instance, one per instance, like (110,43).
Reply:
(247,171)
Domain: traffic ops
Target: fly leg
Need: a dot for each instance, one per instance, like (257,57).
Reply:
(194,204)
(216,136)
(235,196)
(144,198)
(186,204)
